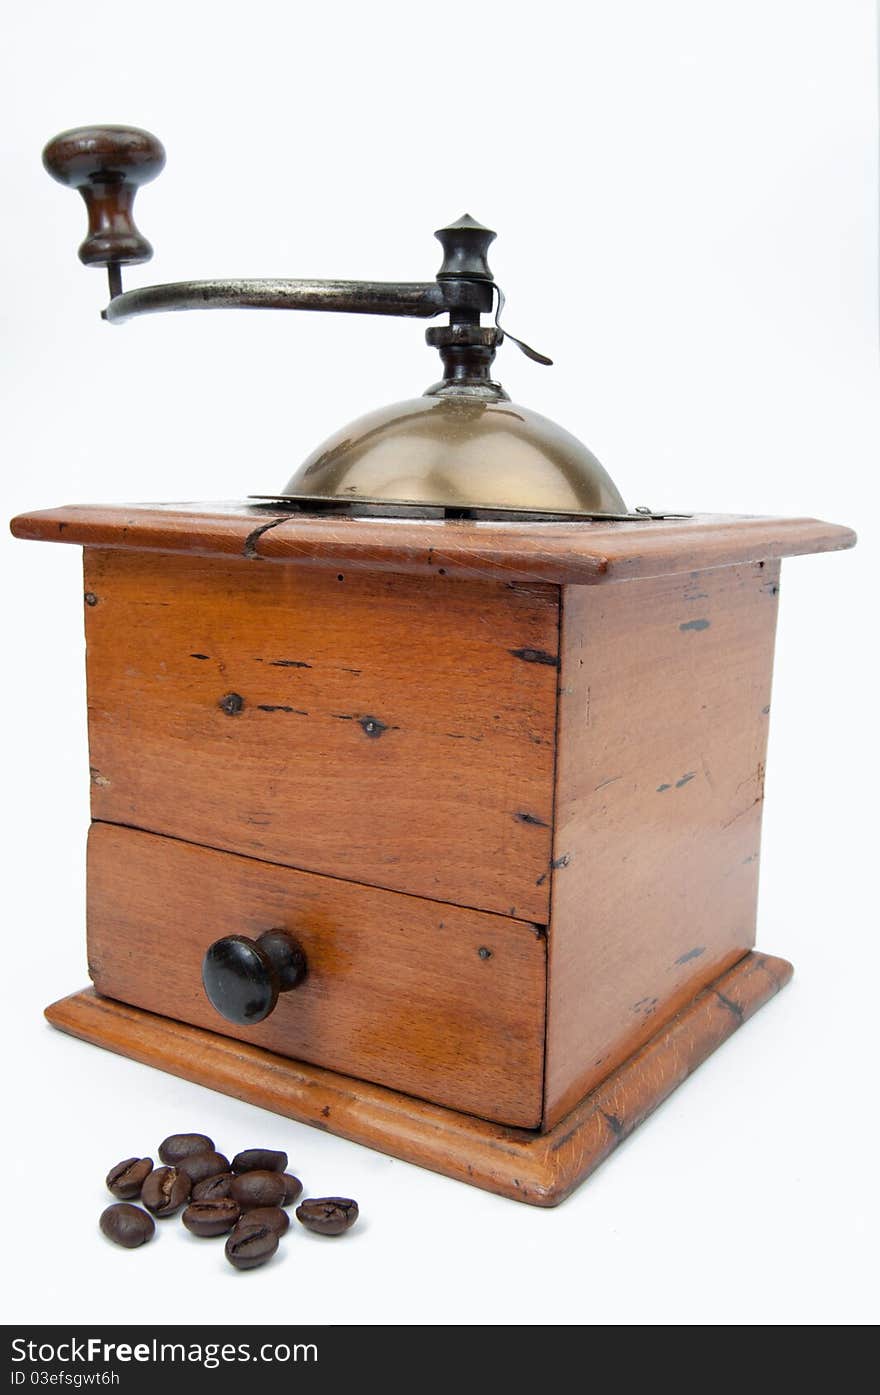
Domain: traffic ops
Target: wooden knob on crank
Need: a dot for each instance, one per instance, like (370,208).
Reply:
(243,977)
(107,164)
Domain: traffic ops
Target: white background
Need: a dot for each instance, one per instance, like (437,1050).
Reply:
(686,198)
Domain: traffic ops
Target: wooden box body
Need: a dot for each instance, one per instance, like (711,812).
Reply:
(504,785)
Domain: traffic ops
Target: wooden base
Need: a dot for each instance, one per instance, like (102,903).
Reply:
(541,1169)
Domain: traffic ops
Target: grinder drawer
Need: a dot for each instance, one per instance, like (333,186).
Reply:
(389,729)
(439,1002)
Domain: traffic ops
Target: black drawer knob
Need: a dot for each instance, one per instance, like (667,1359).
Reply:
(243,977)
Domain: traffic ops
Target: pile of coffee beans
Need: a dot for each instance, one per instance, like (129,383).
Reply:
(243,1199)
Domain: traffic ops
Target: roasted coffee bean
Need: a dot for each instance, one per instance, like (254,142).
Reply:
(127,1225)
(165,1191)
(199,1166)
(251,1245)
(266,1215)
(328,1215)
(259,1160)
(252,1189)
(182,1145)
(211,1217)
(126,1178)
(292,1188)
(212,1188)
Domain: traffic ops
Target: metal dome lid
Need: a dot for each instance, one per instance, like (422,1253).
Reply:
(457,450)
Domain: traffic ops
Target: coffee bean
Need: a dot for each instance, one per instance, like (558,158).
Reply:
(251,1245)
(165,1191)
(126,1178)
(215,1217)
(199,1166)
(212,1188)
(127,1225)
(259,1160)
(292,1188)
(272,1216)
(328,1215)
(252,1189)
(182,1145)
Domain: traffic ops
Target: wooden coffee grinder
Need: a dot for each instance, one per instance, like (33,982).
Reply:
(427,793)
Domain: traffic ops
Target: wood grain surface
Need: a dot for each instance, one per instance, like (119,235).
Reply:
(442,1003)
(664,710)
(541,1169)
(389,729)
(578,553)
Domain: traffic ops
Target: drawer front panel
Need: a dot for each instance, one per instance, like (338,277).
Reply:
(394,730)
(439,1002)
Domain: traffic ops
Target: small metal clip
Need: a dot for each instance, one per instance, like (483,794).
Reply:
(529,352)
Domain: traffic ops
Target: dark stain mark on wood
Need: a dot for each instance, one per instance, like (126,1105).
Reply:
(288,663)
(250,543)
(646,1006)
(730,1005)
(484,953)
(200,656)
(614,1124)
(691,954)
(90,598)
(231,704)
(562,861)
(356,671)
(765,710)
(612,780)
(536,656)
(279,707)
(540,932)
(372,726)
(539,881)
(695,625)
(325,1112)
(564,1138)
(531,818)
(679,784)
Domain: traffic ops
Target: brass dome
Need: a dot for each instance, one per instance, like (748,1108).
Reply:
(455,449)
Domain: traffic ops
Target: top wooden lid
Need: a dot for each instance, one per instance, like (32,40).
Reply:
(562,553)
